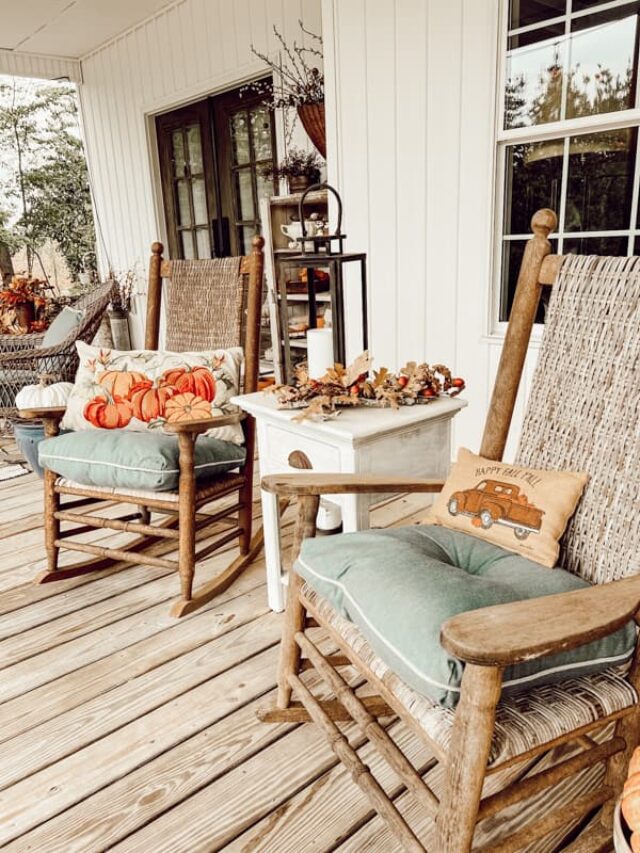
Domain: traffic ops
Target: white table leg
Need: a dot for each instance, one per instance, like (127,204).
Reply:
(355,513)
(273,563)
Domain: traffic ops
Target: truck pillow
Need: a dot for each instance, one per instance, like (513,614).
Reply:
(524,510)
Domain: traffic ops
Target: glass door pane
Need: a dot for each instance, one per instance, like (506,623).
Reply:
(188,179)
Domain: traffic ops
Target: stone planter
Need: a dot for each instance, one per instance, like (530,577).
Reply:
(298,183)
(119,322)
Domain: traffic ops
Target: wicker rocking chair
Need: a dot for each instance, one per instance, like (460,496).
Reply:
(23,360)
(211,304)
(492,753)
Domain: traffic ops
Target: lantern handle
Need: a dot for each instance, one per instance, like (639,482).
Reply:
(315,188)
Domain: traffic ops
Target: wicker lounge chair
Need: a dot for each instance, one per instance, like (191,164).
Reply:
(23,359)
(583,415)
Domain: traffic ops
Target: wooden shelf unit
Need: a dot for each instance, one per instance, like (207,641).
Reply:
(277,211)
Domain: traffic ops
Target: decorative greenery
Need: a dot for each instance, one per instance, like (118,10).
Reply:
(358,385)
(297,164)
(296,80)
(45,182)
(123,292)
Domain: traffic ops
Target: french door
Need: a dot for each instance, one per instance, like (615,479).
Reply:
(213,155)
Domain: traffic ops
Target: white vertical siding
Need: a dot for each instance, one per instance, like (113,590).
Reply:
(19,64)
(188,51)
(413,87)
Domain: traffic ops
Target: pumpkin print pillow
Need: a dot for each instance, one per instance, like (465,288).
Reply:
(525,510)
(138,389)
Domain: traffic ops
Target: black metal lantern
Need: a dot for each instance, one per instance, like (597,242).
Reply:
(325,251)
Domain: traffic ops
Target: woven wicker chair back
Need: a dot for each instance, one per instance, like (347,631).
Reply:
(205,304)
(583,412)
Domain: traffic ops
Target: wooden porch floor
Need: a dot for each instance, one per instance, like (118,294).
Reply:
(122,728)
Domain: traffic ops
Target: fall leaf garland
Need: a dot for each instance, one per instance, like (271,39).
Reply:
(358,385)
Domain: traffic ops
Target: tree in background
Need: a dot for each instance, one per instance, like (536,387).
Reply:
(43,172)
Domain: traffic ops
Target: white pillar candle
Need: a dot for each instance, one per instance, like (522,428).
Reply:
(319,352)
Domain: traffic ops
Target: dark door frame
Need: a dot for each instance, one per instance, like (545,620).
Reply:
(212,113)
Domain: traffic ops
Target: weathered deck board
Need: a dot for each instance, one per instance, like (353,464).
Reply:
(122,728)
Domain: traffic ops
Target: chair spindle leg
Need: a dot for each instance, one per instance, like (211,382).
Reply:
(470,746)
(186,515)
(295,614)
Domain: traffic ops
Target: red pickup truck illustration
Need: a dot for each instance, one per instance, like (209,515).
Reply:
(493,502)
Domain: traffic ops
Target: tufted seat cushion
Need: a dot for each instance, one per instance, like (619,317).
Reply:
(146,461)
(400,585)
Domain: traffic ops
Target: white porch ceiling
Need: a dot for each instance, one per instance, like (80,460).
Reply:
(69,28)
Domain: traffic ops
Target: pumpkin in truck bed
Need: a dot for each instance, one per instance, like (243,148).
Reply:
(495,502)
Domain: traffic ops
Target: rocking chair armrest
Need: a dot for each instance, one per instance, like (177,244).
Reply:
(198,427)
(507,634)
(331,484)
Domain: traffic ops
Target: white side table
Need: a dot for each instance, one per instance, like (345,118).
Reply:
(414,440)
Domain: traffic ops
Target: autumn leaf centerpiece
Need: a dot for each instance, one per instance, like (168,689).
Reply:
(359,385)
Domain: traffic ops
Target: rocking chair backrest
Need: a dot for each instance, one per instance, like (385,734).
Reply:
(210,304)
(583,412)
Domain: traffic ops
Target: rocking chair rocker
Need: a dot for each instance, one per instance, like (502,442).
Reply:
(212,304)
(563,730)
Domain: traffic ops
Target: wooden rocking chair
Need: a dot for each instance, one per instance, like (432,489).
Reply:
(211,304)
(563,731)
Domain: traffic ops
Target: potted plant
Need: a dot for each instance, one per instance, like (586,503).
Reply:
(300,169)
(119,311)
(22,305)
(298,83)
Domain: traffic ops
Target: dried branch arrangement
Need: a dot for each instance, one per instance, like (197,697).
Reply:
(359,385)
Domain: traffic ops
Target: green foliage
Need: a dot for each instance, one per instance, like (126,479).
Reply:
(45,179)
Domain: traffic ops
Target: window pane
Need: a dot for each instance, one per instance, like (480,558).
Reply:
(177,145)
(602,67)
(261,133)
(195,149)
(533,178)
(596,246)
(184,210)
(203,243)
(512,252)
(534,83)
(240,138)
(200,201)
(265,187)
(580,5)
(246,233)
(525,12)
(244,194)
(188,250)
(600,180)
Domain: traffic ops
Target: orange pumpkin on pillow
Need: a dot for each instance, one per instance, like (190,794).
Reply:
(109,412)
(120,382)
(193,380)
(187,407)
(148,400)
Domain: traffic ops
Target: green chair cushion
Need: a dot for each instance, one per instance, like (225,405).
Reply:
(68,320)
(399,586)
(133,460)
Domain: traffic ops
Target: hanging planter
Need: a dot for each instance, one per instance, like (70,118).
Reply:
(297,84)
(312,119)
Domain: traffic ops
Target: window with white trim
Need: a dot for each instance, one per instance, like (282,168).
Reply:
(568,132)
